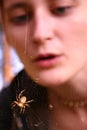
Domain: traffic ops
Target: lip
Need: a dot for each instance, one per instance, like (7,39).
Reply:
(47,60)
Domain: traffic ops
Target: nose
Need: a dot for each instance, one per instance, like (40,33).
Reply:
(42,31)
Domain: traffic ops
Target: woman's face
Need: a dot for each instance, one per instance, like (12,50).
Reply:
(50,37)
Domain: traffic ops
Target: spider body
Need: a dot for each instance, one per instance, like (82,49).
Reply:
(21,102)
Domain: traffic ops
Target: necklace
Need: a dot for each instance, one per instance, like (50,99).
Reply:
(73,104)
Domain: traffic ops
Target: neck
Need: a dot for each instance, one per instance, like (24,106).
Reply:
(75,88)
(70,118)
(75,91)
(68,96)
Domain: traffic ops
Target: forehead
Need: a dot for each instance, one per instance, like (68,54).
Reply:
(13,4)
(9,2)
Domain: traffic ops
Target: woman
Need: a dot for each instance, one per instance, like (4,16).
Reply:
(50,37)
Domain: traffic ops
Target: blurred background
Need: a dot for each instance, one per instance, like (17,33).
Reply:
(10,63)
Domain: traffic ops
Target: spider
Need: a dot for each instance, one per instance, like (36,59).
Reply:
(21,102)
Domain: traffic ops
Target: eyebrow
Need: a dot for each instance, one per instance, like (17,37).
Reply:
(64,0)
(16,6)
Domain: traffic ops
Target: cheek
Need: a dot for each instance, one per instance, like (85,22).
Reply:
(16,38)
(74,39)
(74,35)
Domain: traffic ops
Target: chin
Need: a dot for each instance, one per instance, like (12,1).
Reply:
(49,81)
(50,78)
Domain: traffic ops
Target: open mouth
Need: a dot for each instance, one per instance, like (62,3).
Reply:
(45,61)
(45,57)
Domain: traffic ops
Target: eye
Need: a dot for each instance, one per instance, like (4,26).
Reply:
(21,19)
(61,11)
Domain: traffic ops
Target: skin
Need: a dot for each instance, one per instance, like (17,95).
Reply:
(42,27)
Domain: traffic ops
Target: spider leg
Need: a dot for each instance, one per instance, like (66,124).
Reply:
(14,104)
(27,105)
(23,109)
(17,97)
(20,94)
(30,101)
(20,110)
